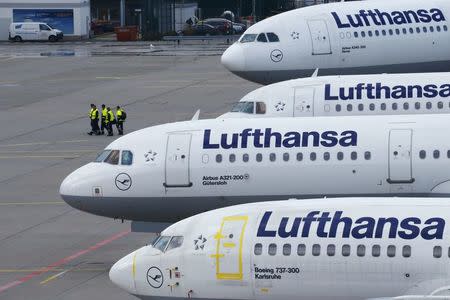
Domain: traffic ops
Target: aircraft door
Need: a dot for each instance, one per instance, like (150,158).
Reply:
(229,243)
(400,160)
(304,102)
(177,160)
(319,36)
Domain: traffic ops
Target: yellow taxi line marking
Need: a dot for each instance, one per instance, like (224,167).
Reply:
(24,144)
(73,141)
(32,203)
(53,277)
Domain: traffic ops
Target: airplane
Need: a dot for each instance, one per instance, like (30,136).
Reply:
(351,248)
(358,37)
(381,94)
(165,173)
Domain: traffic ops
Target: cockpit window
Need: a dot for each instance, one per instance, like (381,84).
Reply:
(262,38)
(101,157)
(248,38)
(161,243)
(260,108)
(273,38)
(246,107)
(127,158)
(113,157)
(175,242)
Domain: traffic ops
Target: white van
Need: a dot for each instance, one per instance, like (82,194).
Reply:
(31,31)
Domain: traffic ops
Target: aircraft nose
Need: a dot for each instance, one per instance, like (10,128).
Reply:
(122,273)
(78,185)
(233,58)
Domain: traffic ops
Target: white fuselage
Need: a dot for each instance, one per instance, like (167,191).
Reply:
(358,37)
(348,95)
(351,248)
(184,168)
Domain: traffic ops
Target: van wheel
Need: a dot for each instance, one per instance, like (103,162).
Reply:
(52,38)
(17,38)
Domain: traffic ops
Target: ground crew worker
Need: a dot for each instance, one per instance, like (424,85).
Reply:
(104,115)
(111,120)
(121,116)
(93,116)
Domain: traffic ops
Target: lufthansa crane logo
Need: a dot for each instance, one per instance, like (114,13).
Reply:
(155,277)
(123,181)
(276,55)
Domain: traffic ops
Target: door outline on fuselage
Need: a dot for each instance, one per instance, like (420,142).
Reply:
(303,102)
(320,37)
(220,245)
(173,153)
(400,156)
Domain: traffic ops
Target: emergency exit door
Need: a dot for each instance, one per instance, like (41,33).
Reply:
(304,102)
(319,36)
(177,160)
(229,242)
(400,159)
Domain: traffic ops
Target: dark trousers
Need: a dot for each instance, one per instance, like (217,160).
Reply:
(120,127)
(109,128)
(103,125)
(94,126)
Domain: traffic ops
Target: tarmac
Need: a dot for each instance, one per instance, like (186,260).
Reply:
(49,250)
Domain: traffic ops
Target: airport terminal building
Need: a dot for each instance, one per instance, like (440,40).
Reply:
(70,16)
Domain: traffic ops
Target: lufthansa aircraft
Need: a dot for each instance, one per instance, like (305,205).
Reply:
(352,249)
(169,172)
(359,37)
(385,94)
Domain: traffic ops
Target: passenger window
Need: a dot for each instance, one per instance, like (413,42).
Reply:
(391,251)
(391,32)
(260,108)
(245,157)
(422,154)
(273,38)
(300,156)
(287,249)
(425,29)
(219,158)
(397,31)
(406,106)
(316,250)
(354,155)
(411,30)
(448,153)
(440,105)
(313,156)
(445,27)
(101,157)
(340,155)
(377,33)
(437,251)
(363,34)
(376,250)
(175,242)
(367,155)
(356,34)
(161,243)
(438,28)
(383,32)
(349,107)
(301,250)
(272,249)
(127,158)
(262,38)
(406,252)
(272,156)
(394,106)
(345,250)
(417,29)
(417,105)
(431,29)
(338,107)
(326,156)
(372,106)
(331,250)
(113,157)
(259,157)
(360,107)
(286,156)
(258,249)
(436,154)
(232,158)
(383,106)
(370,33)
(361,250)
(429,105)
(404,31)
